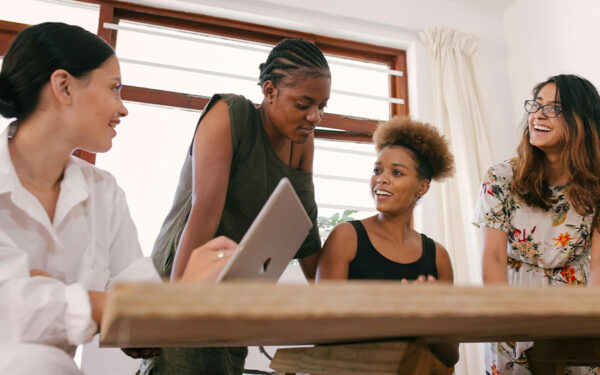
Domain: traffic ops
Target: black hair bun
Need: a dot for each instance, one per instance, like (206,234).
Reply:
(8,100)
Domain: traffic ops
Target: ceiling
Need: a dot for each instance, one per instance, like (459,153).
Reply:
(497,5)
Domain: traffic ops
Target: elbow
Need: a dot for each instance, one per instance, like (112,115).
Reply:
(452,358)
(447,353)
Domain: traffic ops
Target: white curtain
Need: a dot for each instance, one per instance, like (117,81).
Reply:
(459,112)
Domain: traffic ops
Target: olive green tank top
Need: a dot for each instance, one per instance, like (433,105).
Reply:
(255,172)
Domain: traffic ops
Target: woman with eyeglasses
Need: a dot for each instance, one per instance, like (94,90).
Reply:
(538,212)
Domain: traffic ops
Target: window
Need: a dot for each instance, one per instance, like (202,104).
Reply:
(31,12)
(172,62)
(160,137)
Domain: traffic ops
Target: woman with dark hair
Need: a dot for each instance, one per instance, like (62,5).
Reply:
(538,213)
(386,246)
(66,235)
(238,155)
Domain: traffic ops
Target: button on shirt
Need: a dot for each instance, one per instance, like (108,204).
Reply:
(90,245)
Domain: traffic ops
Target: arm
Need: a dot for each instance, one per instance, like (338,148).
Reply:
(494,256)
(39,309)
(45,311)
(309,263)
(595,261)
(443,264)
(337,253)
(211,163)
(97,301)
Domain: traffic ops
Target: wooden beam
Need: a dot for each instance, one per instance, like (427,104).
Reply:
(240,314)
(107,14)
(378,358)
(8,32)
(399,86)
(360,130)
(162,97)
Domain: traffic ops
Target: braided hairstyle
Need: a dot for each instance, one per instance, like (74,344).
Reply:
(36,53)
(293,57)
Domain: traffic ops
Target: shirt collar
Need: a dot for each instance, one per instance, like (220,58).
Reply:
(74,188)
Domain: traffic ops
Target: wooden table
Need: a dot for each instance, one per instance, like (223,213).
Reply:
(239,314)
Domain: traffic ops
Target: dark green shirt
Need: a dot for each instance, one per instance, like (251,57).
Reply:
(255,172)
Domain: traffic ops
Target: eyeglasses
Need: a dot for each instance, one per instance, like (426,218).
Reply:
(549,110)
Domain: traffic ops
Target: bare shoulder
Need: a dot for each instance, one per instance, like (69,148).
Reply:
(440,251)
(213,135)
(337,253)
(217,116)
(341,241)
(443,263)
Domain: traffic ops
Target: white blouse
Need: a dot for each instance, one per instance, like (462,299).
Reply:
(91,244)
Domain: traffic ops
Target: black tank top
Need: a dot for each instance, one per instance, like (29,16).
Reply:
(370,264)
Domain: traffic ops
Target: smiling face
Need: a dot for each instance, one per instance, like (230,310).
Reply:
(546,133)
(395,184)
(295,107)
(98,107)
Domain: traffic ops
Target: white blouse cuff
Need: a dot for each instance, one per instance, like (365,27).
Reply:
(79,325)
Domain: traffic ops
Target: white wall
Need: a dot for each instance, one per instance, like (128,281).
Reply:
(549,37)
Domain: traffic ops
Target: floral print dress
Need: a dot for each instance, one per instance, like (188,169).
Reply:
(544,248)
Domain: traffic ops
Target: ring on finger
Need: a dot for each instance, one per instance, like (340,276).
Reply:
(221,254)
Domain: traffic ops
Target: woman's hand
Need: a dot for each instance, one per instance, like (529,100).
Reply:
(207,261)
(141,352)
(420,280)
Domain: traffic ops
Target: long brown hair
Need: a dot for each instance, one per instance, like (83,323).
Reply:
(580,104)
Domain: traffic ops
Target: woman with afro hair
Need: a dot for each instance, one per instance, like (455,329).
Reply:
(386,246)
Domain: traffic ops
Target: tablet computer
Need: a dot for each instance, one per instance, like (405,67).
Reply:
(273,238)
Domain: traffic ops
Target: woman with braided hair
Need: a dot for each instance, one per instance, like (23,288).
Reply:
(386,246)
(237,157)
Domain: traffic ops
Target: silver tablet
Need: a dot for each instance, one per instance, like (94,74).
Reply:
(273,238)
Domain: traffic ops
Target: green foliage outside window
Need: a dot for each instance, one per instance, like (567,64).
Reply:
(327,223)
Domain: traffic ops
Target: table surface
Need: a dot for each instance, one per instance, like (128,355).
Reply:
(258,313)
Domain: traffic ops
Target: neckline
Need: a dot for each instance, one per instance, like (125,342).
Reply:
(390,260)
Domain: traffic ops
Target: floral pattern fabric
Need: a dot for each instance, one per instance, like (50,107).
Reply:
(545,248)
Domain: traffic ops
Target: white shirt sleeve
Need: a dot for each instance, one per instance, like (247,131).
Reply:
(40,309)
(127,263)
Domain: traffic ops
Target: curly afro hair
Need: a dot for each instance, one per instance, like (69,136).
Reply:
(428,147)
